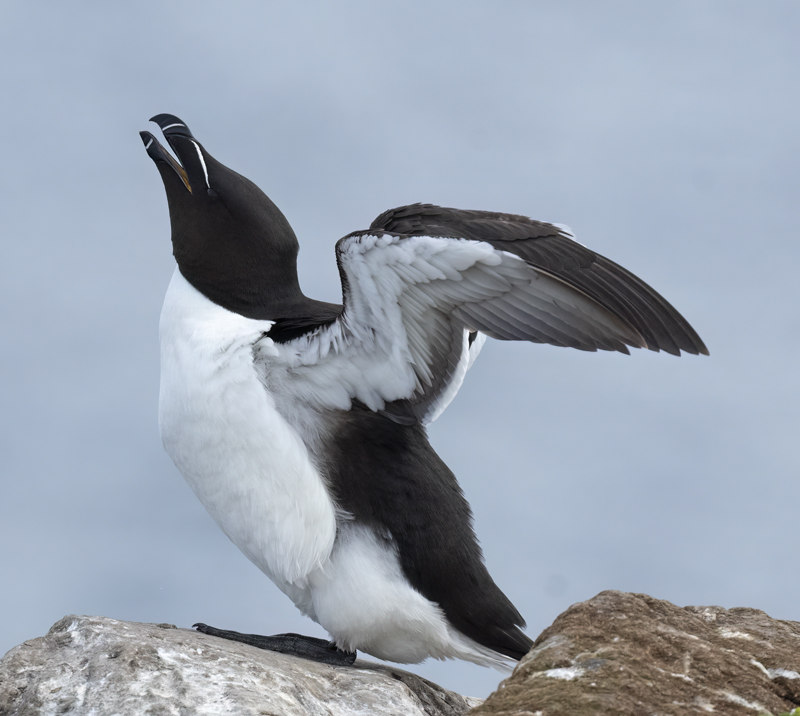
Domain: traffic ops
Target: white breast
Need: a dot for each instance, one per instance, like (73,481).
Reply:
(243,460)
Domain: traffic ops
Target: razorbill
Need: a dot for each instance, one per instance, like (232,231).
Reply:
(300,424)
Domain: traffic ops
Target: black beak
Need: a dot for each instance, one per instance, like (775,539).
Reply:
(192,168)
(158,154)
(172,126)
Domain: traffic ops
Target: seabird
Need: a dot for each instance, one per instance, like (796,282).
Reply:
(300,424)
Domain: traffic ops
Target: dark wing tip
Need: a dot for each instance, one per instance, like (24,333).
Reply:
(696,347)
(615,288)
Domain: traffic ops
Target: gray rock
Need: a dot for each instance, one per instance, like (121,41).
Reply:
(630,654)
(98,666)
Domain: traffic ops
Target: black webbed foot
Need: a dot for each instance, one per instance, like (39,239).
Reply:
(307,647)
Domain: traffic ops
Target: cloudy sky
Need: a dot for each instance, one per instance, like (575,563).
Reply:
(665,134)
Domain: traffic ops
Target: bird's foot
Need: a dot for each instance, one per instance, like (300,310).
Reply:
(307,647)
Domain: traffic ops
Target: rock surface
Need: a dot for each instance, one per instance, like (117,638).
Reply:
(630,654)
(621,654)
(97,666)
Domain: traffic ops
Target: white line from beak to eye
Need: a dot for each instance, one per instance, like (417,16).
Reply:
(202,162)
(147,146)
(170,126)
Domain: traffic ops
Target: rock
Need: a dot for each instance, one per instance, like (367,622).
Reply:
(630,654)
(99,666)
(621,654)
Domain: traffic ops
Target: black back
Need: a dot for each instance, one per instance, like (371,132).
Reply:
(389,477)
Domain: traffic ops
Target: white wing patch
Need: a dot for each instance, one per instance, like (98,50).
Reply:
(410,304)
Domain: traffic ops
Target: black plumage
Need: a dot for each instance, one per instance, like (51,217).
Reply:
(388,477)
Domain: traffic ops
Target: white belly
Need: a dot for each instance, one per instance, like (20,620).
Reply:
(245,463)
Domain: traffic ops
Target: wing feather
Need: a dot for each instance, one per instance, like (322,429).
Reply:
(424,278)
(552,249)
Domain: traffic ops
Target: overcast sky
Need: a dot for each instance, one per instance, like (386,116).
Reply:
(665,134)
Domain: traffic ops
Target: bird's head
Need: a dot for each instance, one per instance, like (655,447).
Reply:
(229,240)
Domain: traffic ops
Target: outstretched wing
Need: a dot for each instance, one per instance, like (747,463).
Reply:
(552,249)
(423,280)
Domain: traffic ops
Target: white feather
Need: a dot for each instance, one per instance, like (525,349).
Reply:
(244,461)
(365,602)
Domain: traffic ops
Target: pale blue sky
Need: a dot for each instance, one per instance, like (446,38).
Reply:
(665,134)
